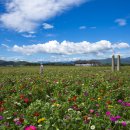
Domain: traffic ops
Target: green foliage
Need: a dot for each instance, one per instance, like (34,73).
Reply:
(66,98)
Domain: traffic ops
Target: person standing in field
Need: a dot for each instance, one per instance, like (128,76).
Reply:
(41,69)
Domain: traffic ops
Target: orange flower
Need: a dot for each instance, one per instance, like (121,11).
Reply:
(21,96)
(108,102)
(92,99)
(72,99)
(85,118)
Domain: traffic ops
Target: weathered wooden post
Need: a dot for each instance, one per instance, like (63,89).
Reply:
(41,69)
(118,63)
(113,63)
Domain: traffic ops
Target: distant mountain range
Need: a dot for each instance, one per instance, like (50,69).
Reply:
(25,63)
(108,60)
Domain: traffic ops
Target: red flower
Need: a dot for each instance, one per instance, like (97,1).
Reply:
(21,120)
(26,100)
(1,103)
(36,114)
(2,109)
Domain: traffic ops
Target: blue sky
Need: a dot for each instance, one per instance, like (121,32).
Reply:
(64,30)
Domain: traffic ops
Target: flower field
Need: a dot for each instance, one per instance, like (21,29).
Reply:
(64,98)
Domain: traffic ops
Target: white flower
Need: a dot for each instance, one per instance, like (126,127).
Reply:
(70,109)
(5,112)
(16,119)
(8,118)
(39,125)
(92,127)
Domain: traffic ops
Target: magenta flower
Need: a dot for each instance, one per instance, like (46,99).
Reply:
(114,118)
(1,117)
(120,101)
(118,117)
(18,123)
(97,114)
(123,123)
(108,113)
(31,127)
(127,104)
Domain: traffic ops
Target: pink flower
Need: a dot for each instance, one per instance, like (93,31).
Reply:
(118,117)
(31,127)
(114,118)
(91,111)
(128,104)
(108,113)
(97,105)
(123,123)
(97,114)
(120,101)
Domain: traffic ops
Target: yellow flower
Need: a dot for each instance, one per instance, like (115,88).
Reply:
(109,106)
(41,120)
(99,98)
(56,105)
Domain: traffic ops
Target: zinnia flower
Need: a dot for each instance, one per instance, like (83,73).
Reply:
(26,100)
(120,101)
(123,123)
(108,113)
(1,117)
(91,111)
(41,120)
(92,127)
(31,127)
(114,118)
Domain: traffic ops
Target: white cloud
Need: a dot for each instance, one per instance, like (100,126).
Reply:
(82,27)
(47,26)
(121,45)
(66,47)
(28,35)
(26,15)
(5,46)
(121,22)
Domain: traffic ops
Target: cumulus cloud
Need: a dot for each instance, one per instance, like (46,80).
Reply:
(121,22)
(47,26)
(82,27)
(121,45)
(25,15)
(67,48)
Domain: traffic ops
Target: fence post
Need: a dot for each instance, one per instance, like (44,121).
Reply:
(113,63)
(118,63)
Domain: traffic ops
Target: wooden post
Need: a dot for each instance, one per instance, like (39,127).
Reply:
(113,63)
(118,63)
